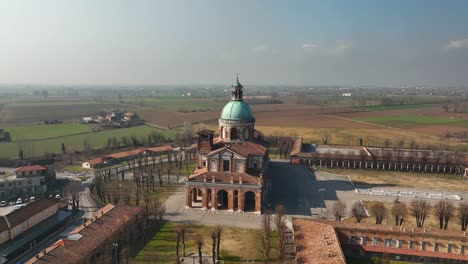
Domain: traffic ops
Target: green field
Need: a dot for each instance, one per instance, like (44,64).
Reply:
(414,120)
(33,132)
(237,244)
(9,150)
(396,107)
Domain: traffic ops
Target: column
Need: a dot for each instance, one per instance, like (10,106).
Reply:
(230,200)
(240,202)
(214,200)
(204,199)
(188,198)
(258,202)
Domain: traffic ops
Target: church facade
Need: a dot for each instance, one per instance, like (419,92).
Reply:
(230,172)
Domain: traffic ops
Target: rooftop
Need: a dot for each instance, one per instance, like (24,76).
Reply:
(316,243)
(30,168)
(22,214)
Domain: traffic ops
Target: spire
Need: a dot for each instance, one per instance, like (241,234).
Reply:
(237,78)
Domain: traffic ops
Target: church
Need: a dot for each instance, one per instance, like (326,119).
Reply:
(230,172)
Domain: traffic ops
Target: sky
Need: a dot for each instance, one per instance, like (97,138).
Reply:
(112,42)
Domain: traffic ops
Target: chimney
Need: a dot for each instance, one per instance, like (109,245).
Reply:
(213,179)
(232,180)
(240,180)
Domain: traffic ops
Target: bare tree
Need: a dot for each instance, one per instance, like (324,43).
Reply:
(182,236)
(280,222)
(444,211)
(213,244)
(199,242)
(463,215)
(72,190)
(379,211)
(338,209)
(219,231)
(399,212)
(358,211)
(178,237)
(265,237)
(420,209)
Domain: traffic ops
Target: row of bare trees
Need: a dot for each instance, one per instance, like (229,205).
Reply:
(265,235)
(215,234)
(443,210)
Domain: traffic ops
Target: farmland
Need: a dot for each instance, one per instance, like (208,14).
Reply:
(35,148)
(414,120)
(33,132)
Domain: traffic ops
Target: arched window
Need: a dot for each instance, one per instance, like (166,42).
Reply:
(246,133)
(233,133)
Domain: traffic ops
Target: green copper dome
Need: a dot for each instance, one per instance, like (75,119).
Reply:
(237,110)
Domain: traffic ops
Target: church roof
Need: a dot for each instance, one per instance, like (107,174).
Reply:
(237,110)
(244,149)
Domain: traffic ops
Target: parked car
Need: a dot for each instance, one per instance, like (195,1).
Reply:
(32,198)
(19,201)
(57,196)
(3,203)
(12,202)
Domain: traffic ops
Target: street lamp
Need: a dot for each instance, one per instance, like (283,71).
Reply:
(116,245)
(321,201)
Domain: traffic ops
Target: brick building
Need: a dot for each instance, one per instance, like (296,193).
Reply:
(230,174)
(109,237)
(314,240)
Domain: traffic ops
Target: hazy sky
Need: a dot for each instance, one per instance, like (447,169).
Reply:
(208,42)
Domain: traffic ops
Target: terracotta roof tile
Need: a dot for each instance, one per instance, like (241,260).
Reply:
(31,168)
(18,216)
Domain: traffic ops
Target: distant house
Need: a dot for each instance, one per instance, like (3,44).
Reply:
(87,120)
(128,116)
(346,94)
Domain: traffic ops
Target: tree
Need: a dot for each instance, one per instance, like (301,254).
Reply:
(265,237)
(63,148)
(213,245)
(420,209)
(72,190)
(358,211)
(399,212)
(379,210)
(280,223)
(182,236)
(338,209)
(178,238)
(199,242)
(219,231)
(21,153)
(463,215)
(444,211)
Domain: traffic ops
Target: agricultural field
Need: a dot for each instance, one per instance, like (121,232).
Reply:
(33,132)
(414,120)
(96,140)
(38,111)
(236,244)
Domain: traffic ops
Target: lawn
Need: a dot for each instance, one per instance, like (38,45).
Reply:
(33,132)
(403,179)
(236,244)
(413,120)
(9,150)
(129,187)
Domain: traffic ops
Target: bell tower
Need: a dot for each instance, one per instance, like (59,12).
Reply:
(236,91)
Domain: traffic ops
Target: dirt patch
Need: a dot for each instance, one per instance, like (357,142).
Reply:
(305,118)
(434,111)
(438,130)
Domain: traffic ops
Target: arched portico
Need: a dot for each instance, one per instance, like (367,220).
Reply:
(249,201)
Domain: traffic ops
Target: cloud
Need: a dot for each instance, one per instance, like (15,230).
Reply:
(309,46)
(260,48)
(457,44)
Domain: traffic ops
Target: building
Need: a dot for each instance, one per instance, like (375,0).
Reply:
(323,241)
(31,180)
(379,158)
(106,238)
(230,174)
(102,161)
